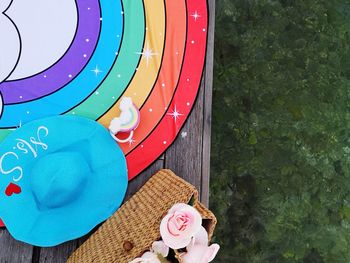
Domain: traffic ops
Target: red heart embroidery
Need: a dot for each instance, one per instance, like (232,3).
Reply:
(12,189)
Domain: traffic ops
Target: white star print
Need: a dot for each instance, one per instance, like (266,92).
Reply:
(96,71)
(195,15)
(18,126)
(147,53)
(131,142)
(175,114)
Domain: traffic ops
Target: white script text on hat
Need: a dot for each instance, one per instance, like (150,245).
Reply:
(24,146)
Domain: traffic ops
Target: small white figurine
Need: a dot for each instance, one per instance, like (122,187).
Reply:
(128,120)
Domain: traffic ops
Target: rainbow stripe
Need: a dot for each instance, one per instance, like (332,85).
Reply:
(152,51)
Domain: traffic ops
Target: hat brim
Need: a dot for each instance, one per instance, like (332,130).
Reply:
(100,197)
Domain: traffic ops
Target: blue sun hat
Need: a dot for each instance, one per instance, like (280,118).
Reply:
(59,178)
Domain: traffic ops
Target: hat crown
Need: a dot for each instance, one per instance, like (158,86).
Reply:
(59,178)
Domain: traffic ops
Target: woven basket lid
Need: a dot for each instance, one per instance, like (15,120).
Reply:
(135,226)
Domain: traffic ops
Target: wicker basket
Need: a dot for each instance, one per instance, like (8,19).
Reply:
(135,226)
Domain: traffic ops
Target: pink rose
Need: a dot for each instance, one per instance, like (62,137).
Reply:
(179,226)
(159,250)
(198,250)
(147,257)
(159,247)
(200,254)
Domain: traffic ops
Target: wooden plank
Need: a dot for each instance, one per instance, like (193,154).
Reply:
(12,250)
(189,156)
(184,157)
(207,107)
(58,254)
(140,180)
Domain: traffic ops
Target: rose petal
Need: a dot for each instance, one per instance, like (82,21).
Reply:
(170,240)
(192,214)
(201,238)
(211,252)
(177,207)
(200,253)
(159,247)
(173,226)
(180,225)
(147,257)
(194,223)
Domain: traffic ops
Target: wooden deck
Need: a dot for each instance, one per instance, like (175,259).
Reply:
(188,157)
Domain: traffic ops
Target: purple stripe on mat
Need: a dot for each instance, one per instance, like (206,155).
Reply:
(68,67)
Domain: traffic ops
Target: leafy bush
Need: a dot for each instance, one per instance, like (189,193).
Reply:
(280,182)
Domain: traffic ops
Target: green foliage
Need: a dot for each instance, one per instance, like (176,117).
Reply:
(280,182)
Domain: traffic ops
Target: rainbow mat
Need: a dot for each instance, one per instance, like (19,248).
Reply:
(85,55)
